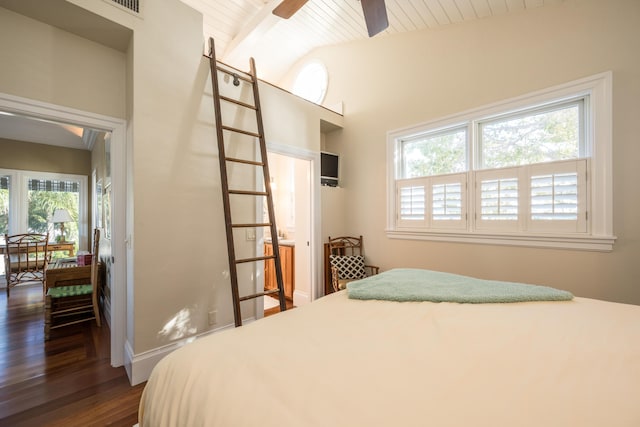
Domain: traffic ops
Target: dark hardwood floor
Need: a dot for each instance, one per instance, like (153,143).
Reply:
(66,381)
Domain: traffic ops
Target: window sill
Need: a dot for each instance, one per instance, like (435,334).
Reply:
(583,243)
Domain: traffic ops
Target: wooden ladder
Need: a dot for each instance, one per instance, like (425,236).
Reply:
(230,226)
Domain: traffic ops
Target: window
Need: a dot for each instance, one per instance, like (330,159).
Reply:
(532,171)
(311,82)
(434,153)
(28,199)
(547,134)
(4,205)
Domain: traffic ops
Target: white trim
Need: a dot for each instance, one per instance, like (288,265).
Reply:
(316,286)
(599,244)
(140,365)
(598,141)
(117,127)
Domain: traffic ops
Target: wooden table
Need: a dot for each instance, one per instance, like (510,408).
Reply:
(53,247)
(67,273)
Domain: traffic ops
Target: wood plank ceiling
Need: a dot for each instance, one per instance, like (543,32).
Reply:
(247,28)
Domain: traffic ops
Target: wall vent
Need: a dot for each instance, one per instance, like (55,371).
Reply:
(132,5)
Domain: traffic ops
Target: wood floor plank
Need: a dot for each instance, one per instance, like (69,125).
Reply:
(66,381)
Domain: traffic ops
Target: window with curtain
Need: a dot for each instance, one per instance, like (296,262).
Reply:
(29,198)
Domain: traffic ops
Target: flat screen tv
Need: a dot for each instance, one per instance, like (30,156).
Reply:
(329,169)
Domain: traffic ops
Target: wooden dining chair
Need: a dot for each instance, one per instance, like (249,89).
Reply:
(347,261)
(69,305)
(25,258)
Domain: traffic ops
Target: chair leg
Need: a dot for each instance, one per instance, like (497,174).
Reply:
(96,310)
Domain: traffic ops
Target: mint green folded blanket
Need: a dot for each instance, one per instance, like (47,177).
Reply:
(407,284)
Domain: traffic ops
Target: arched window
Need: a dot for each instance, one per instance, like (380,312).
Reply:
(311,82)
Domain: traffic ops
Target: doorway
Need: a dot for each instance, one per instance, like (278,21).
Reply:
(294,194)
(23,107)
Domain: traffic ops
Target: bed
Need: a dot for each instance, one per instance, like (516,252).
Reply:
(343,361)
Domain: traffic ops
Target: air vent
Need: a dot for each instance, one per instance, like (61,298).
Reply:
(132,5)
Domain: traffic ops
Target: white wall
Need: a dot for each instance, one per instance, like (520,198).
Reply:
(392,82)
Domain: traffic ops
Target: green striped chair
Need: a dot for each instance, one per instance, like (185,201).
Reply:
(69,305)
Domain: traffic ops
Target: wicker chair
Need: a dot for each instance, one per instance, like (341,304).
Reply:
(69,305)
(25,258)
(347,261)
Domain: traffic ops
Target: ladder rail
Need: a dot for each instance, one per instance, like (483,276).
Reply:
(233,274)
(267,184)
(226,191)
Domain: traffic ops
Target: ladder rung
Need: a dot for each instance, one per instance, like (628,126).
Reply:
(259,258)
(259,294)
(248,193)
(235,101)
(265,224)
(246,132)
(248,162)
(232,73)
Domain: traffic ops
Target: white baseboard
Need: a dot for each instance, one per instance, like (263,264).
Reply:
(301,298)
(139,366)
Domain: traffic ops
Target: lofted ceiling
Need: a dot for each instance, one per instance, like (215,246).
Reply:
(247,28)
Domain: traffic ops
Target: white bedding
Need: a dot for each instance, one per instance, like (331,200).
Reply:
(343,362)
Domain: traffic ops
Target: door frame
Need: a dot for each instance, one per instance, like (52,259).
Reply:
(117,127)
(315,233)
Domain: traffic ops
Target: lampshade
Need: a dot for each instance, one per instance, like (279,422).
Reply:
(61,215)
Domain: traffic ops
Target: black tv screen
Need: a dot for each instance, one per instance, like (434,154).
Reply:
(329,169)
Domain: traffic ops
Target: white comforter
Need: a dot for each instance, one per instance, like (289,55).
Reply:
(342,362)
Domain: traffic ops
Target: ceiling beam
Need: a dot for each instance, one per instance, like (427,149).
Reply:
(250,33)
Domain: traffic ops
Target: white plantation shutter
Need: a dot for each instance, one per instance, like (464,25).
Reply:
(547,197)
(412,202)
(433,202)
(448,207)
(558,196)
(498,199)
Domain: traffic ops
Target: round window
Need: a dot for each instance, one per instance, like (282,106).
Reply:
(311,83)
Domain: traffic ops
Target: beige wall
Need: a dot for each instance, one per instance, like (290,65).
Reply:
(392,82)
(44,158)
(44,63)
(176,177)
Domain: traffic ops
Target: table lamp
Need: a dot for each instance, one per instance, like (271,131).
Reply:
(60,216)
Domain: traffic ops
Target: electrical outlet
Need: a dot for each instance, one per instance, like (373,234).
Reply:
(251,234)
(212,317)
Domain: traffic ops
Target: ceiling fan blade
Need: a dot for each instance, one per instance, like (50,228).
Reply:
(375,16)
(287,8)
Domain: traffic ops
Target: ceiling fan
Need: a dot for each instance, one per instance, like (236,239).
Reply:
(375,13)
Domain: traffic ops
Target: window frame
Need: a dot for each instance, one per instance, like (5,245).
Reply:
(597,130)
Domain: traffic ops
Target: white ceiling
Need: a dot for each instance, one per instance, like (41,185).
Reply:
(247,28)
(28,129)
